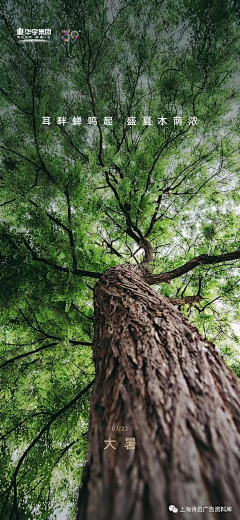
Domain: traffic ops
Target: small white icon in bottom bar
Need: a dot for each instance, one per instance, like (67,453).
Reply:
(173,509)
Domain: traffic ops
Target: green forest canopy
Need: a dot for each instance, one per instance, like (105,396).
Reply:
(78,199)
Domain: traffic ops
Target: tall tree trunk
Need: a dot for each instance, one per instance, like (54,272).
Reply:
(158,377)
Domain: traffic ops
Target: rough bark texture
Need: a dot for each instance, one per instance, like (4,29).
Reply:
(156,375)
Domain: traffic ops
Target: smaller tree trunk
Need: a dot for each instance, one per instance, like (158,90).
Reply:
(156,375)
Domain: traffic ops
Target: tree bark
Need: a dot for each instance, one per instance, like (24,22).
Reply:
(157,376)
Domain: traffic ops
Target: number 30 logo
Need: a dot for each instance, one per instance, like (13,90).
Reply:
(70,34)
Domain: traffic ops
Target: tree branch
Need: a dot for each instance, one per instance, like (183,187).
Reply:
(43,347)
(54,219)
(112,249)
(40,434)
(72,144)
(78,272)
(14,103)
(7,202)
(192,264)
(20,356)
(70,233)
(131,229)
(30,417)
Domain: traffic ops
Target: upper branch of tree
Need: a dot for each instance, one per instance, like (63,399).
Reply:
(14,102)
(20,356)
(64,450)
(28,418)
(20,155)
(43,347)
(54,219)
(220,297)
(78,272)
(156,158)
(189,169)
(70,233)
(192,264)
(110,246)
(7,202)
(43,165)
(131,229)
(98,124)
(101,40)
(69,139)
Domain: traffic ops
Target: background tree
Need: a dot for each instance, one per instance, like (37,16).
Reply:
(161,201)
